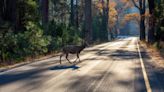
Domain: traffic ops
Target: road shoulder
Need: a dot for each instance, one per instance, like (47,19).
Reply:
(154,65)
(8,67)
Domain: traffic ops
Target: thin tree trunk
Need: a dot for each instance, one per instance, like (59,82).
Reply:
(88,20)
(142,28)
(107,12)
(151,31)
(77,15)
(142,9)
(72,13)
(14,14)
(45,8)
(107,19)
(104,32)
(1,10)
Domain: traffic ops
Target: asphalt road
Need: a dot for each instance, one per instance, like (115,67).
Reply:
(108,67)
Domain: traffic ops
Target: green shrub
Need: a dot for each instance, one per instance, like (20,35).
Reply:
(34,41)
(62,34)
(8,43)
(29,43)
(37,42)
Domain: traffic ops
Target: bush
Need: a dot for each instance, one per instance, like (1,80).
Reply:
(62,34)
(29,43)
(34,41)
(8,43)
(55,44)
(70,35)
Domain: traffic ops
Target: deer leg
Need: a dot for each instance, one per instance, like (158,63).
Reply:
(61,57)
(78,56)
(67,58)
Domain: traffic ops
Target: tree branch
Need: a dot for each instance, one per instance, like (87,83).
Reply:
(140,4)
(144,5)
(135,4)
(151,6)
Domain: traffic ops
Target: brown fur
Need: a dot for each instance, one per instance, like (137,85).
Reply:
(72,49)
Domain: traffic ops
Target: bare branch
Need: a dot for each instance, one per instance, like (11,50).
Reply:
(144,4)
(135,4)
(140,4)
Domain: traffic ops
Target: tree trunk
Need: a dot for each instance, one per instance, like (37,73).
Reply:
(107,14)
(72,13)
(1,10)
(8,12)
(142,28)
(77,15)
(104,24)
(88,21)
(142,9)
(107,19)
(151,31)
(44,9)
(14,14)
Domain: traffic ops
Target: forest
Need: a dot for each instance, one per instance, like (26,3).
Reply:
(30,28)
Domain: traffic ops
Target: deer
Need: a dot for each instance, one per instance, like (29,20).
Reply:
(73,49)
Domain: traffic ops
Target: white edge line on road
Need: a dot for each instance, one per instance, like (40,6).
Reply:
(146,79)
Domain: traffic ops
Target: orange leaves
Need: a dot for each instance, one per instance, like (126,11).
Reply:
(124,1)
(112,11)
(131,16)
(112,4)
(99,5)
(112,14)
(127,3)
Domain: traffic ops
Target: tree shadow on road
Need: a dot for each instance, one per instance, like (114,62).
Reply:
(31,74)
(118,54)
(63,67)
(9,78)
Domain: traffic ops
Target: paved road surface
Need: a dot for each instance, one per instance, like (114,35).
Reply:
(108,67)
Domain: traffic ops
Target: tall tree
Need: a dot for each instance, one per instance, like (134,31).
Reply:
(72,13)
(88,20)
(77,15)
(107,11)
(104,32)
(151,31)
(142,9)
(14,14)
(159,22)
(8,12)
(44,11)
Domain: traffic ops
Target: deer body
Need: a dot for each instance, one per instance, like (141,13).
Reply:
(72,49)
